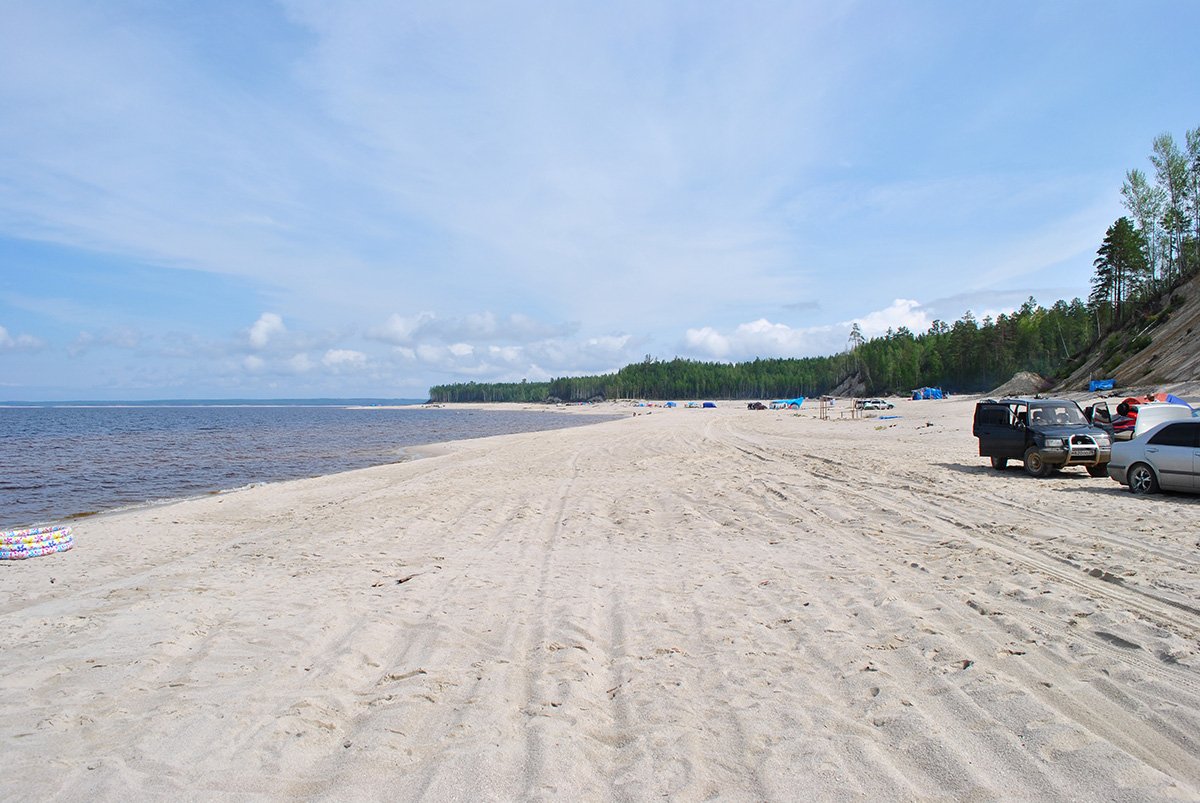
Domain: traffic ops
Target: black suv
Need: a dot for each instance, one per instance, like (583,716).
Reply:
(1045,434)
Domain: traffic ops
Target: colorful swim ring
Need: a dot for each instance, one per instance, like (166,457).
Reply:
(33,543)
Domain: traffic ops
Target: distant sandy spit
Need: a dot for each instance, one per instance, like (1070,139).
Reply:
(685,604)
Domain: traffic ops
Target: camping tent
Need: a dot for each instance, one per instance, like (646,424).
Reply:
(710,404)
(1101,384)
(927,393)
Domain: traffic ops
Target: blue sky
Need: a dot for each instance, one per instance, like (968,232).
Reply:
(294,199)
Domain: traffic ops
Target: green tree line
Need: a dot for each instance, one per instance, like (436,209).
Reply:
(965,355)
(1142,258)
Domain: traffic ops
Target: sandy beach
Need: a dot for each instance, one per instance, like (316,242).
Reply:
(686,605)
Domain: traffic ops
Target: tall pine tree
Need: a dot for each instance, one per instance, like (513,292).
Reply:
(1121,267)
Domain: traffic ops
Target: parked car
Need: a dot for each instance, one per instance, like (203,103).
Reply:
(1166,457)
(1044,434)
(874,404)
(1126,421)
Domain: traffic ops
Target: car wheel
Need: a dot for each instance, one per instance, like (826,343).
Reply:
(1035,466)
(999,463)
(1142,479)
(1098,471)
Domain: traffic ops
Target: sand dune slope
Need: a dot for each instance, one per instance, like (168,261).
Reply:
(691,604)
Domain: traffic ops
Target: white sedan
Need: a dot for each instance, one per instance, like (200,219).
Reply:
(1164,458)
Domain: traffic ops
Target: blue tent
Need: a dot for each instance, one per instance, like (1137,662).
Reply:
(1101,384)
(670,404)
(927,393)
(788,404)
(710,404)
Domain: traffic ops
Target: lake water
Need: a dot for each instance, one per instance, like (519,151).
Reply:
(61,461)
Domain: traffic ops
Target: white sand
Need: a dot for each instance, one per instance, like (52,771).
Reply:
(691,604)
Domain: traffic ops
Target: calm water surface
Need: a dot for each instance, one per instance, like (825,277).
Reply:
(57,462)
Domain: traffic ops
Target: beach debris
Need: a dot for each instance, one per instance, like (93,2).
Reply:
(392,677)
(1117,641)
(1106,576)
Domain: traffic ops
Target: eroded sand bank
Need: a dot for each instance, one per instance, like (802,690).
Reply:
(689,604)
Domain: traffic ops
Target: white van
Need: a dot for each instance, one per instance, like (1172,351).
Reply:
(1151,414)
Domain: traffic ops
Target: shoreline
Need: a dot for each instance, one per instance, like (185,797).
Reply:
(403,454)
(702,603)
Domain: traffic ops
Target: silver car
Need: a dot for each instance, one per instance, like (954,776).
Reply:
(1166,457)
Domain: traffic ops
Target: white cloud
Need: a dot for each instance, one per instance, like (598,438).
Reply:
(253,363)
(601,353)
(538,360)
(608,344)
(483,326)
(83,341)
(431,354)
(300,364)
(761,338)
(267,325)
(400,330)
(505,354)
(121,337)
(902,312)
(20,342)
(344,359)
(708,341)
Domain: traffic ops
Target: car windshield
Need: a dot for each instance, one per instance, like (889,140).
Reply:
(1059,415)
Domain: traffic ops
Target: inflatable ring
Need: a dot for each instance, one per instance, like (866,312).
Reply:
(31,535)
(33,543)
